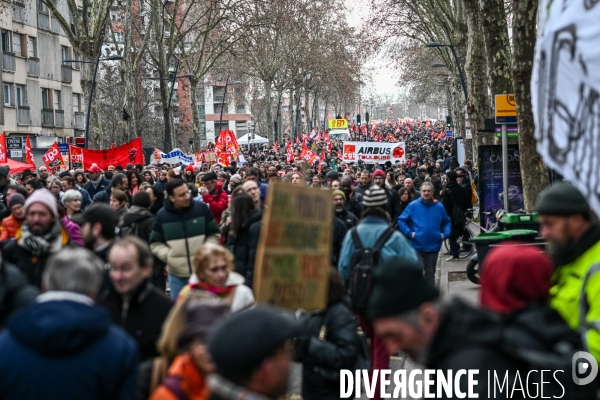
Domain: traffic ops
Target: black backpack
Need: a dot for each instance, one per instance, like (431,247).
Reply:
(363,261)
(458,215)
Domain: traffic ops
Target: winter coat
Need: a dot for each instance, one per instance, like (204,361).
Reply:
(339,233)
(242,299)
(183,374)
(142,316)
(74,231)
(32,266)
(15,291)
(243,245)
(349,219)
(428,221)
(454,194)
(466,185)
(138,222)
(354,206)
(102,185)
(178,232)
(218,201)
(393,204)
(103,196)
(64,347)
(10,225)
(369,230)
(360,190)
(338,350)
(121,214)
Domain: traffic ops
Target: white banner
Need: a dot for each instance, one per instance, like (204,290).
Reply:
(173,157)
(374,152)
(565,92)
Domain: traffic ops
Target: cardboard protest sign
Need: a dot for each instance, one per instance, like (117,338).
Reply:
(294,250)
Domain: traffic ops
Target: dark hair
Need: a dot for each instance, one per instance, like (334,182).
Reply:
(69,180)
(151,181)
(130,173)
(193,188)
(158,193)
(35,184)
(337,291)
(254,172)
(242,205)
(108,175)
(139,167)
(144,256)
(141,199)
(119,195)
(20,189)
(403,190)
(116,180)
(76,174)
(174,184)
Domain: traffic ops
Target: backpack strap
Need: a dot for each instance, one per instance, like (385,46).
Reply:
(584,325)
(383,239)
(358,246)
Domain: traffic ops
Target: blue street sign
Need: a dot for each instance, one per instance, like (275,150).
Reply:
(449,133)
(506,120)
(64,147)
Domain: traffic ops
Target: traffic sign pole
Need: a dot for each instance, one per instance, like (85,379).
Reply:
(505,166)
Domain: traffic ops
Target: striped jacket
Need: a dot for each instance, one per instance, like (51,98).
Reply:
(178,233)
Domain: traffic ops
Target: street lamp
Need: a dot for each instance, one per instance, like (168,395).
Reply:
(89,106)
(168,110)
(453,49)
(438,65)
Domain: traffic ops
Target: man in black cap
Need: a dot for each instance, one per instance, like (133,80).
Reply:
(566,223)
(408,316)
(252,353)
(26,176)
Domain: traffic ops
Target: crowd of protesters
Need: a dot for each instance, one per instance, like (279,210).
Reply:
(137,282)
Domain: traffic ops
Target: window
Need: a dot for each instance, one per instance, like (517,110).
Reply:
(65,52)
(21,95)
(46,98)
(6,41)
(241,109)
(16,40)
(120,37)
(41,6)
(201,111)
(76,102)
(76,56)
(8,94)
(57,102)
(32,47)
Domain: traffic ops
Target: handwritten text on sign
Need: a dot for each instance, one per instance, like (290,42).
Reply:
(292,262)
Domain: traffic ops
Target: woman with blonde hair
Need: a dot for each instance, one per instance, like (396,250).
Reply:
(213,268)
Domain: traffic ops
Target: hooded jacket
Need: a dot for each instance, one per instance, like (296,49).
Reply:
(218,201)
(427,221)
(137,221)
(66,348)
(178,232)
(244,244)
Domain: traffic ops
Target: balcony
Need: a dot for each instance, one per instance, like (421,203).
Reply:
(47,117)
(43,21)
(33,67)
(18,13)
(8,62)
(23,116)
(55,26)
(79,120)
(60,118)
(67,73)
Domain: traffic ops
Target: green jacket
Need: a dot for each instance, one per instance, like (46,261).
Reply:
(577,277)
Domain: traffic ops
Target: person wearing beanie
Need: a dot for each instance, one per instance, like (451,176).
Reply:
(40,236)
(406,310)
(330,177)
(375,223)
(234,181)
(566,223)
(426,224)
(339,208)
(189,175)
(454,196)
(12,223)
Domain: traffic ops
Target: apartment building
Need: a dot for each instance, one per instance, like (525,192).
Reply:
(41,96)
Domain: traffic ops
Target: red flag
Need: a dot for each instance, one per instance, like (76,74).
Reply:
(290,152)
(304,148)
(3,155)
(130,152)
(112,145)
(326,137)
(28,153)
(52,158)
(276,146)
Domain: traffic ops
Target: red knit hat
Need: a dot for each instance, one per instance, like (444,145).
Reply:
(513,275)
(378,172)
(190,167)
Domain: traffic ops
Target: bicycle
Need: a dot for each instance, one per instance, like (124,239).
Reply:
(473,264)
(465,248)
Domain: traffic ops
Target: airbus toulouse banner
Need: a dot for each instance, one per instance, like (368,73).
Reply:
(374,152)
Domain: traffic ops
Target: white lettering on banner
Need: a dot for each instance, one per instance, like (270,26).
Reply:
(372,152)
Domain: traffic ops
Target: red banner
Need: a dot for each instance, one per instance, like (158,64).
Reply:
(76,157)
(130,152)
(28,153)
(53,158)
(3,155)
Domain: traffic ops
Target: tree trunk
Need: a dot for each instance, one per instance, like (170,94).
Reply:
(533,173)
(195,114)
(270,133)
(497,45)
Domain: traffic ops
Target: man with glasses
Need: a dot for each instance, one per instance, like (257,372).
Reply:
(425,223)
(132,302)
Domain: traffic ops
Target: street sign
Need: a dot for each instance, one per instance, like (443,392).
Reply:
(64,147)
(468,124)
(16,153)
(511,130)
(468,134)
(506,109)
(14,143)
(339,123)
(449,133)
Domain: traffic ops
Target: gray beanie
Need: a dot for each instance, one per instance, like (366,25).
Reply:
(562,199)
(375,197)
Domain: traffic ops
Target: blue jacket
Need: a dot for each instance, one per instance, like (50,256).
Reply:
(263,191)
(428,221)
(66,350)
(103,184)
(369,230)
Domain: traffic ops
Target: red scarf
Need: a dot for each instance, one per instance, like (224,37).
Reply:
(220,291)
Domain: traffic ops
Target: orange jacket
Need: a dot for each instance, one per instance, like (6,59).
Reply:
(192,381)
(10,225)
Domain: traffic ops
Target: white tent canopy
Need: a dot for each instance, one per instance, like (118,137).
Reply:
(257,140)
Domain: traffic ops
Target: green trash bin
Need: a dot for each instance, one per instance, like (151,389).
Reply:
(485,241)
(510,221)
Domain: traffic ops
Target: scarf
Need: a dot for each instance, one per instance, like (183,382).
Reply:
(219,291)
(96,182)
(41,245)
